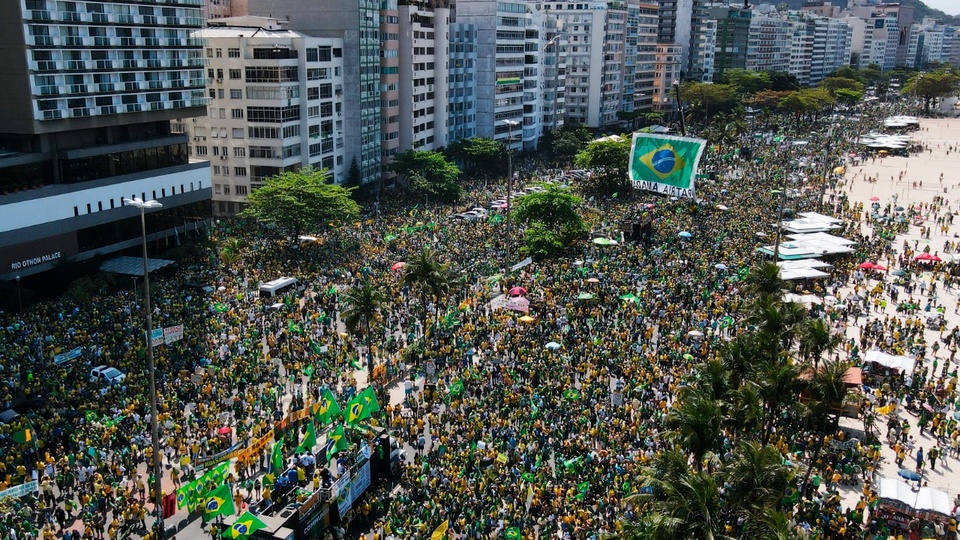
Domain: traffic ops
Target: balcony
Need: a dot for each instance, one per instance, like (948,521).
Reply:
(80,112)
(108,109)
(52,115)
(76,65)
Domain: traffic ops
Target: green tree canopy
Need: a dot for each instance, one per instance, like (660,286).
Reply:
(552,220)
(429,175)
(930,86)
(747,83)
(301,201)
(609,160)
(832,84)
(707,98)
(480,155)
(848,97)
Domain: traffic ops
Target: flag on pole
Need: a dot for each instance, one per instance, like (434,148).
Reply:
(336,442)
(357,410)
(309,438)
(513,533)
(23,436)
(245,525)
(185,497)
(328,408)
(456,388)
(218,502)
(308,371)
(370,399)
(276,459)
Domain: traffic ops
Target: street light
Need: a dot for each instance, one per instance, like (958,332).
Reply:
(783,195)
(19,299)
(509,124)
(154,420)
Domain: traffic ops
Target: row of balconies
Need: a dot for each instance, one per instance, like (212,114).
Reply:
(103,65)
(112,18)
(113,42)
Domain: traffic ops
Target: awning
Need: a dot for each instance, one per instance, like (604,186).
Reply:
(925,499)
(132,266)
(900,363)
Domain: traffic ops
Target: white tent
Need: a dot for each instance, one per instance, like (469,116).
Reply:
(925,499)
(901,363)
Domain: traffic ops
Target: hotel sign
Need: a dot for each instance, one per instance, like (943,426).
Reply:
(29,254)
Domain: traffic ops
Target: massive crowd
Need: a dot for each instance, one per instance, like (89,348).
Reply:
(534,442)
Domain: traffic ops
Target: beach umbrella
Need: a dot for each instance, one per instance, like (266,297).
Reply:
(899,272)
(630,297)
(695,333)
(527,319)
(899,209)
(720,266)
(397,265)
(927,257)
(685,234)
(604,241)
(874,199)
(225,430)
(908,474)
(649,206)
(585,296)
(855,298)
(867,266)
(518,291)
(593,280)
(553,346)
(722,207)
(761,234)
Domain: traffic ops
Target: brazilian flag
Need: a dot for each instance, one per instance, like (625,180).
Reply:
(357,410)
(218,502)
(245,525)
(582,489)
(309,438)
(571,394)
(791,497)
(186,498)
(336,442)
(528,477)
(456,388)
(328,408)
(513,533)
(370,399)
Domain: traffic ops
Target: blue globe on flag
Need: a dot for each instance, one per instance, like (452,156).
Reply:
(664,160)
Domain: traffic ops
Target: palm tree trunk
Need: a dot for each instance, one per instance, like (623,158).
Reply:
(816,455)
(366,338)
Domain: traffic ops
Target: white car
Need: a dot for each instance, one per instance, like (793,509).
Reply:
(498,203)
(482,212)
(107,374)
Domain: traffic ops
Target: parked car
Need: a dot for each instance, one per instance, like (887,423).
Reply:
(107,374)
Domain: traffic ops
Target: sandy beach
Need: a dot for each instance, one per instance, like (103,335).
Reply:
(908,181)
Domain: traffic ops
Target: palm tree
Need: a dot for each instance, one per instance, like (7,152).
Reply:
(778,322)
(428,276)
(363,305)
(828,390)
(766,280)
(777,384)
(757,478)
(230,251)
(816,338)
(680,503)
(696,423)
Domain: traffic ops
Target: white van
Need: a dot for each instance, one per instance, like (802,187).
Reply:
(278,286)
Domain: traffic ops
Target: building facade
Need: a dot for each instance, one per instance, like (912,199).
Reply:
(90,89)
(276,105)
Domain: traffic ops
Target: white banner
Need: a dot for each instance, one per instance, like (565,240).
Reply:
(172,333)
(19,491)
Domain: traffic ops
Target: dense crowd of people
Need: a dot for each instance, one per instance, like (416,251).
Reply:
(534,444)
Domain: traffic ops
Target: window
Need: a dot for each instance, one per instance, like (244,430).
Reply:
(236,113)
(226,189)
(216,170)
(263,132)
(202,150)
(239,171)
(235,74)
(236,94)
(312,55)
(219,53)
(240,190)
(233,53)
(237,133)
(291,131)
(217,188)
(216,150)
(313,112)
(239,152)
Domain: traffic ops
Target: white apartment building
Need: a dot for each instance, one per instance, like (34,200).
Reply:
(770,45)
(929,42)
(424,95)
(276,104)
(667,70)
(595,51)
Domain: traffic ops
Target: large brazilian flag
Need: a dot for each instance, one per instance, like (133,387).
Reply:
(665,163)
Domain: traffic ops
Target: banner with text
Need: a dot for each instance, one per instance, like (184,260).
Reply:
(665,164)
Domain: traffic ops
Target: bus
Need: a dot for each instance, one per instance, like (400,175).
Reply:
(277,287)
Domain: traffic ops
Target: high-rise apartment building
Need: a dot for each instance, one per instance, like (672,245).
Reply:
(770,44)
(733,35)
(461,82)
(89,90)
(423,75)
(276,104)
(640,56)
(364,85)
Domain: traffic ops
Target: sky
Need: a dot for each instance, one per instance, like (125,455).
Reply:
(950,7)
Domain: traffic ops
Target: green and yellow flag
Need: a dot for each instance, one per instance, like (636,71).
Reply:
(665,163)
(328,408)
(309,438)
(245,525)
(23,436)
(336,442)
(370,399)
(513,533)
(218,502)
(456,388)
(357,409)
(440,532)
(186,497)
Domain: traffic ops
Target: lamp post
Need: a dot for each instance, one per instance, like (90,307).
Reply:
(683,126)
(783,195)
(826,170)
(509,124)
(19,299)
(154,421)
